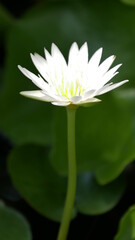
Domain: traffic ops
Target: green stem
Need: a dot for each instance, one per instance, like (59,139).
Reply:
(71,190)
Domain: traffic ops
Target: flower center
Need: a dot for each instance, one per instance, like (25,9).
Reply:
(71,89)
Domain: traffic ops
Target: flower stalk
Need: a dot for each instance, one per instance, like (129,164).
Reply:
(71,190)
(72,84)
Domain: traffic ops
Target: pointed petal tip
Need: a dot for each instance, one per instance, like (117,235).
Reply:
(21,68)
(53,48)
(53,45)
(119,65)
(36,54)
(28,93)
(100,52)
(22,93)
(113,57)
(124,81)
(100,49)
(84,47)
(85,44)
(45,50)
(97,100)
(32,56)
(74,44)
(95,59)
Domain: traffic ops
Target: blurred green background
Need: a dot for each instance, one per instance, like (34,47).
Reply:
(33,160)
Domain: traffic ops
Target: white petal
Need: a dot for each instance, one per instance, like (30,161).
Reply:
(38,81)
(54,50)
(89,93)
(89,100)
(83,53)
(103,88)
(109,75)
(56,53)
(39,58)
(73,53)
(59,65)
(40,64)
(48,56)
(109,88)
(37,95)
(76,99)
(104,66)
(61,103)
(95,59)
(56,97)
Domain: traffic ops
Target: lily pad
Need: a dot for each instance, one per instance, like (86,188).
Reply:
(37,182)
(45,190)
(126,229)
(13,225)
(93,199)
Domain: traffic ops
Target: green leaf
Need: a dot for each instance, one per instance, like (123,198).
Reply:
(37,182)
(129,2)
(126,229)
(93,198)
(13,225)
(105,137)
(45,190)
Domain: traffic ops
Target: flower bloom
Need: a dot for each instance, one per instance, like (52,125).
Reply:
(76,82)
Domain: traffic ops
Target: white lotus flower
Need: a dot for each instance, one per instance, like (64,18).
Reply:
(76,82)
